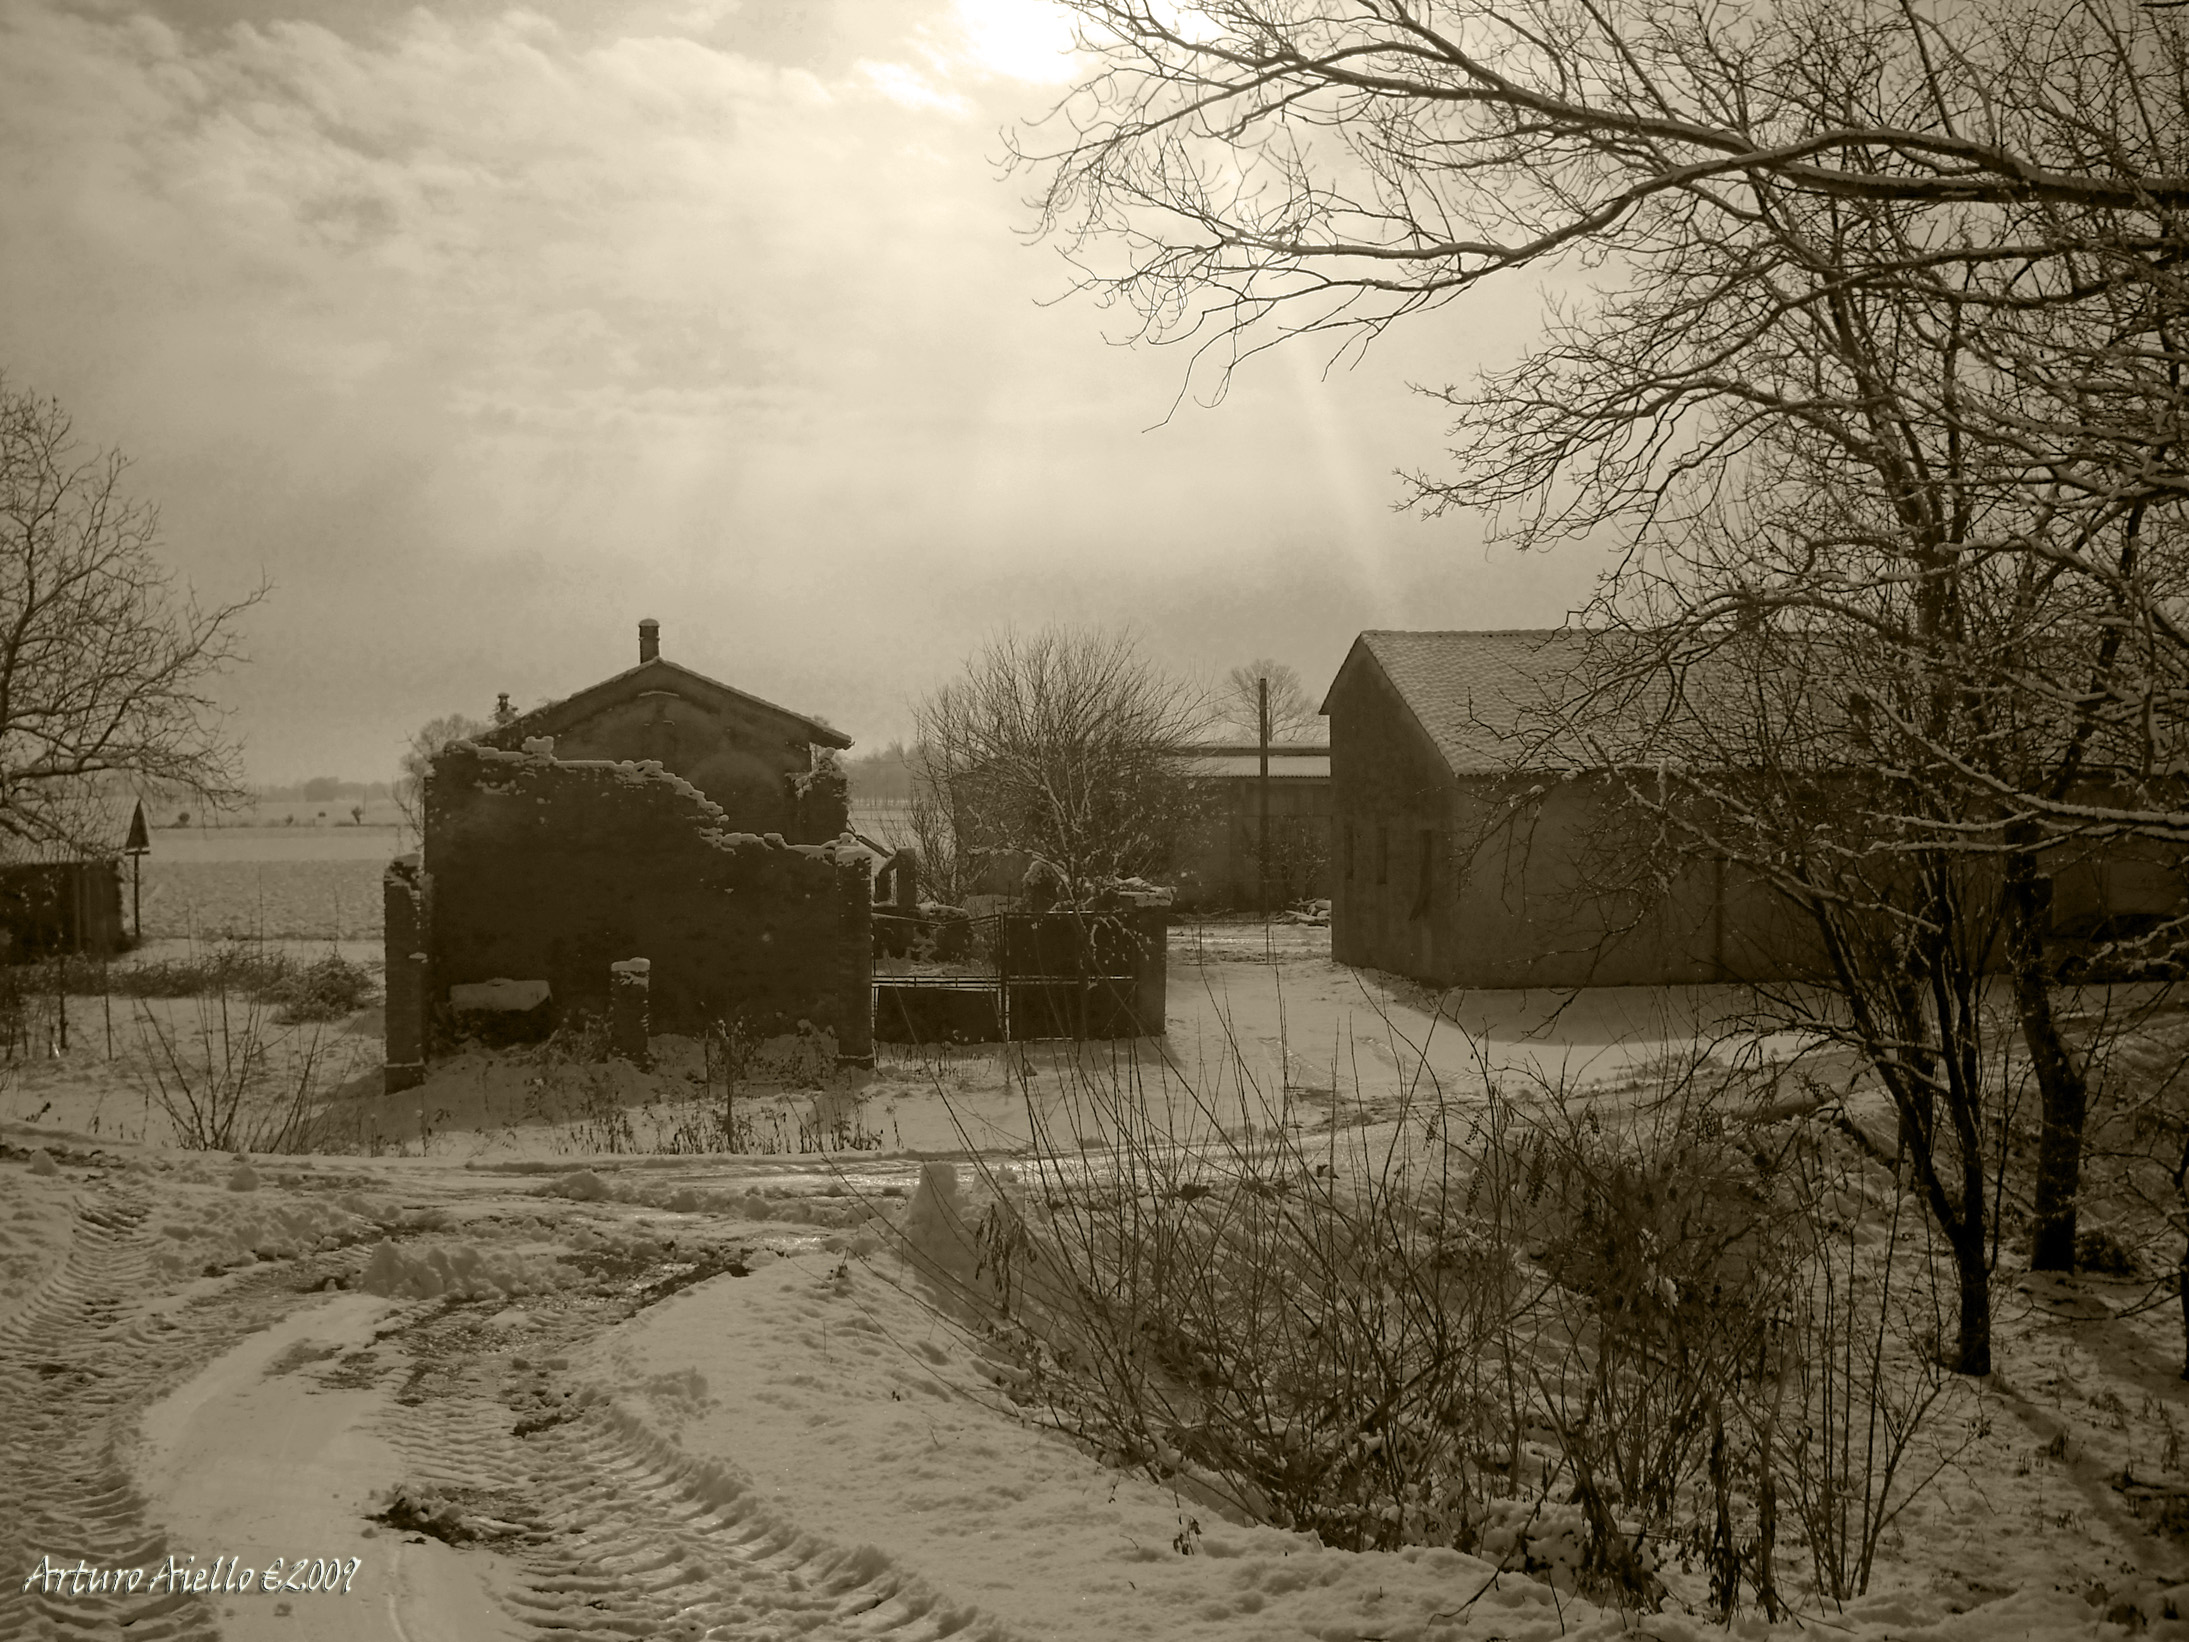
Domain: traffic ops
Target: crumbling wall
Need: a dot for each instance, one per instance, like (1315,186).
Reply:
(765,781)
(820,799)
(403,928)
(552,869)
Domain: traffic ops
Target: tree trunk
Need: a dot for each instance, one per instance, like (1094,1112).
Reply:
(2060,1083)
(2181,1287)
(1973,1351)
(2181,1273)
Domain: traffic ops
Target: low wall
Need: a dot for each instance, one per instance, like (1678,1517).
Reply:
(1052,975)
(548,869)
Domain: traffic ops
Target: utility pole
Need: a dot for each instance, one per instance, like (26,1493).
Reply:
(1261,848)
(140,840)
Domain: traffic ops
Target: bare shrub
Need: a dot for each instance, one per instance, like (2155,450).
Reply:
(1860,1368)
(1586,1338)
(235,1082)
(331,988)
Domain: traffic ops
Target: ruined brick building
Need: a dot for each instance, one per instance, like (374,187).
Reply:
(658,814)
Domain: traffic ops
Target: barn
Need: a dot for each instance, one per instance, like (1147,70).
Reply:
(1441,877)
(1463,863)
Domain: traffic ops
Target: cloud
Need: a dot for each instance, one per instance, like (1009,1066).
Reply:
(479,328)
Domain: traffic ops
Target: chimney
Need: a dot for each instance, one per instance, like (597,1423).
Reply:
(649,640)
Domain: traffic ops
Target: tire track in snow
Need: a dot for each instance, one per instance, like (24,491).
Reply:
(621,1535)
(79,1362)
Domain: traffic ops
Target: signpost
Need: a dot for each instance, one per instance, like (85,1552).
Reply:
(140,841)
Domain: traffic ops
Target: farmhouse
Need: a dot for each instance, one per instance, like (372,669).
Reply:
(577,838)
(1463,863)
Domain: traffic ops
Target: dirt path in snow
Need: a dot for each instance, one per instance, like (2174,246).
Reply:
(257,1407)
(79,1364)
(616,1535)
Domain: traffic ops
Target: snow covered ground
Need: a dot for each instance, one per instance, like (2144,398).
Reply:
(489,1382)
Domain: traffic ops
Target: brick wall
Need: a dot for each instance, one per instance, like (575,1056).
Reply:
(551,869)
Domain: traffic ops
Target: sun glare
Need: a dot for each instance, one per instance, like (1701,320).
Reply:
(1020,39)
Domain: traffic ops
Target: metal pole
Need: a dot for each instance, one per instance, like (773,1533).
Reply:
(1261,848)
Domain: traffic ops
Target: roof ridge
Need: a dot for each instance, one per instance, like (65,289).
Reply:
(830,736)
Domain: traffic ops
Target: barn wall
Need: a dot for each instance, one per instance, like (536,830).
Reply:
(1217,859)
(1532,913)
(1390,791)
(546,869)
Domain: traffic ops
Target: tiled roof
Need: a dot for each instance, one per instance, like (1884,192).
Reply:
(658,674)
(81,827)
(1472,692)
(1550,698)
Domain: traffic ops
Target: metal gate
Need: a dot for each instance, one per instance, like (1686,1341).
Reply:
(1034,975)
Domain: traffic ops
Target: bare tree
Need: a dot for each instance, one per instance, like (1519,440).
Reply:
(105,670)
(1292,715)
(1061,745)
(1345,163)
(425,745)
(1887,361)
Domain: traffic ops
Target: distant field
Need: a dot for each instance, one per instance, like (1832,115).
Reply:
(279,899)
(207,844)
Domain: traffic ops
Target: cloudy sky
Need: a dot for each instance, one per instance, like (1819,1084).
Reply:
(482,332)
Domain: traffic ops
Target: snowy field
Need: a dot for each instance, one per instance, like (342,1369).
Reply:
(519,1359)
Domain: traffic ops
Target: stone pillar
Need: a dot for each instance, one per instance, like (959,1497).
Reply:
(405,934)
(855,958)
(1151,967)
(629,983)
(904,881)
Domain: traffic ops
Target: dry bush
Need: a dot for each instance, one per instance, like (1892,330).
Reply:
(330,988)
(236,1083)
(1588,1340)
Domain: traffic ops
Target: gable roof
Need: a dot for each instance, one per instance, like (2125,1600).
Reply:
(84,825)
(1472,693)
(1573,698)
(659,674)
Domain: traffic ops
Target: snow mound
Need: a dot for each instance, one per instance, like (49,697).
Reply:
(212,1231)
(452,1269)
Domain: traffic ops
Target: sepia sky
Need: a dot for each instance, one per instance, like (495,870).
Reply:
(482,332)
